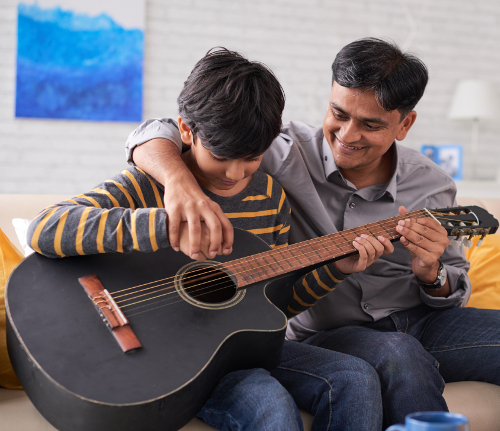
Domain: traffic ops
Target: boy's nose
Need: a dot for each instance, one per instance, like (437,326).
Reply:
(235,172)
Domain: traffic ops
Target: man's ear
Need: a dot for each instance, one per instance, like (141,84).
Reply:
(186,134)
(405,125)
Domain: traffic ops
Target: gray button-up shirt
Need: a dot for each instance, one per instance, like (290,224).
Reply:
(324,202)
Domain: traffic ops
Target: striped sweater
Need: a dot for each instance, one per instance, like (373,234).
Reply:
(127,213)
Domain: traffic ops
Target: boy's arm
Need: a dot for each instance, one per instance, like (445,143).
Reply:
(185,201)
(313,286)
(119,215)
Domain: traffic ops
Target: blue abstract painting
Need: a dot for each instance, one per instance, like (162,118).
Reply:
(75,65)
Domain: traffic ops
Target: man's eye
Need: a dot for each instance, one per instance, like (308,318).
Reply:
(371,127)
(338,116)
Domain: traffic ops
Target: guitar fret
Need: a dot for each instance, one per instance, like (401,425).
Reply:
(347,243)
(325,252)
(278,261)
(382,226)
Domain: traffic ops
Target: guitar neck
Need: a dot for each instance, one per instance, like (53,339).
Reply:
(271,264)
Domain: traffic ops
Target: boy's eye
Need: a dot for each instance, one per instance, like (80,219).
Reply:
(219,159)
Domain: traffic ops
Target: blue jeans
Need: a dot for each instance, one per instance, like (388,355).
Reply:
(341,391)
(416,351)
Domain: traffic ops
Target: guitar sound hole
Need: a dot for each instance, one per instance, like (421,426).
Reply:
(209,285)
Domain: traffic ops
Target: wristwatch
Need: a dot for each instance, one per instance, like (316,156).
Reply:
(440,279)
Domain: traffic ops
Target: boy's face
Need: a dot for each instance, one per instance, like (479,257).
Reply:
(224,177)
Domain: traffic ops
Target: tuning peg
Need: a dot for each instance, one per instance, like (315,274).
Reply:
(455,243)
(480,240)
(467,242)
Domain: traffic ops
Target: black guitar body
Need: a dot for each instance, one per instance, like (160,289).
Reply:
(77,376)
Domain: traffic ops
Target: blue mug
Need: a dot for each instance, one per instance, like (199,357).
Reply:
(433,421)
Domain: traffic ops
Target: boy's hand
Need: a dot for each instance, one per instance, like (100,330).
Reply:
(369,248)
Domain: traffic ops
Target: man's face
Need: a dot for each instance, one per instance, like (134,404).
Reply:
(359,131)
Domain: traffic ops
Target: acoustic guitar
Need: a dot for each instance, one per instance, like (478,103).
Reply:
(137,342)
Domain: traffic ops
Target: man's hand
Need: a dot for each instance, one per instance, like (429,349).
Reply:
(184,243)
(426,240)
(369,248)
(184,200)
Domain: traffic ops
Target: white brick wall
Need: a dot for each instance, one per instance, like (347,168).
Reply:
(457,39)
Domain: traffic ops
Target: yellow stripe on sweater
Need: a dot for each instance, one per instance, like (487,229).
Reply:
(133,230)
(39,228)
(81,228)
(136,187)
(100,231)
(268,194)
(252,214)
(91,200)
(282,199)
(125,193)
(295,296)
(331,276)
(309,290)
(292,310)
(109,195)
(265,229)
(152,229)
(119,237)
(59,232)
(159,203)
(323,285)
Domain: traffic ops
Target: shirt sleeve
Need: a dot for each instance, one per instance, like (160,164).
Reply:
(122,214)
(454,259)
(313,286)
(156,128)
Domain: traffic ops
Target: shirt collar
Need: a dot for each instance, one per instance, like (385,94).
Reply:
(333,174)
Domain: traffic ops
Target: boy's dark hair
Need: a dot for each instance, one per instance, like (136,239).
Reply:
(398,78)
(234,105)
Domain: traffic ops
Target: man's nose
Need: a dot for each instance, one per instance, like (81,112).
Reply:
(349,133)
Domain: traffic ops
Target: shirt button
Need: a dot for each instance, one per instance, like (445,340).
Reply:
(326,158)
(365,306)
(352,205)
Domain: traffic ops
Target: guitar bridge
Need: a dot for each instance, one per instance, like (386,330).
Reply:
(111,315)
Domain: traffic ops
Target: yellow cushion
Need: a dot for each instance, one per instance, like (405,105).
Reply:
(9,258)
(484,272)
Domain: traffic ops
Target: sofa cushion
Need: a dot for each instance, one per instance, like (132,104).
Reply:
(483,273)
(9,258)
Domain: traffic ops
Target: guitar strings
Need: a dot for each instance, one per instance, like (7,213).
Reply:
(214,268)
(291,246)
(321,241)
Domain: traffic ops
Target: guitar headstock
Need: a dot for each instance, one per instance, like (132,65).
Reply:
(467,221)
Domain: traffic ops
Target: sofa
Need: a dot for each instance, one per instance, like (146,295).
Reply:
(479,401)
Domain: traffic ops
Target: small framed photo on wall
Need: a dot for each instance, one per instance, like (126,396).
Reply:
(448,157)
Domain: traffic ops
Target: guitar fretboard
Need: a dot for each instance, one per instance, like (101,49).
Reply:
(273,263)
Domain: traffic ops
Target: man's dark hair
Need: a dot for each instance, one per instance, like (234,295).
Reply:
(234,105)
(398,78)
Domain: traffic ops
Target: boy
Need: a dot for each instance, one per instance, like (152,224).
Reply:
(229,113)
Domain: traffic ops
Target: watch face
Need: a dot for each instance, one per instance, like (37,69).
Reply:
(442,274)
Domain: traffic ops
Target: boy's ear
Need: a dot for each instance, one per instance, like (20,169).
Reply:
(186,134)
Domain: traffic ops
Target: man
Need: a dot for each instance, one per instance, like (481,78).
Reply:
(404,315)
(229,113)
